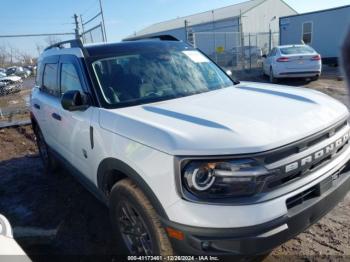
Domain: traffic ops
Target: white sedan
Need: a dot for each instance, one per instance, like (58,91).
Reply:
(289,61)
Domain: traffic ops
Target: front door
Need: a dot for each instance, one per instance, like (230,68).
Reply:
(74,133)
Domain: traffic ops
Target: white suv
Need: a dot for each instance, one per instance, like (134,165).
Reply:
(188,160)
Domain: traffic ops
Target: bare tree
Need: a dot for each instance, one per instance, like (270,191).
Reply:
(50,40)
(3,56)
(39,48)
(24,58)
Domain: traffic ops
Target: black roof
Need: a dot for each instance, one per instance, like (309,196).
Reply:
(133,46)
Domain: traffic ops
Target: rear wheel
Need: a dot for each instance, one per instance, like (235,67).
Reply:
(137,228)
(315,78)
(271,77)
(49,161)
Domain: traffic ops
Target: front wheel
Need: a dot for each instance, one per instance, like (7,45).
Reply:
(136,225)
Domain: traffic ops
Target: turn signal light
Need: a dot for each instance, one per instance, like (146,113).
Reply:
(173,233)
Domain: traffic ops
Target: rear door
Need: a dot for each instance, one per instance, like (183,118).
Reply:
(48,100)
(74,127)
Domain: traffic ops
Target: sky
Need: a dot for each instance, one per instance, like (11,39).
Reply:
(122,18)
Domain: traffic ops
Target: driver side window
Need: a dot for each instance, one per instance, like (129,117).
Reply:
(69,79)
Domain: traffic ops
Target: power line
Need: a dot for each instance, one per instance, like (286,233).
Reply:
(33,35)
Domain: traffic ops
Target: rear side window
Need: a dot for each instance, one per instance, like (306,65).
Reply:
(69,79)
(50,79)
(39,74)
(297,50)
(273,52)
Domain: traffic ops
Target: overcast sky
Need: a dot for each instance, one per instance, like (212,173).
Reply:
(122,17)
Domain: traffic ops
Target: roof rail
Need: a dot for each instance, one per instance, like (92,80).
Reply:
(160,37)
(74,43)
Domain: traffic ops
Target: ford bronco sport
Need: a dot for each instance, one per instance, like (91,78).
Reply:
(188,160)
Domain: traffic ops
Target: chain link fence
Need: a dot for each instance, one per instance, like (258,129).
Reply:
(93,35)
(235,50)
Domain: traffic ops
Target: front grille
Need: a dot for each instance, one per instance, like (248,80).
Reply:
(302,197)
(282,177)
(315,191)
(303,145)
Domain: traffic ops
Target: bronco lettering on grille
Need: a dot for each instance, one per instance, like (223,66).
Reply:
(318,155)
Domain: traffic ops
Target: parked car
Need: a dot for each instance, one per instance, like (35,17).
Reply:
(10,84)
(292,61)
(8,246)
(18,71)
(2,74)
(192,162)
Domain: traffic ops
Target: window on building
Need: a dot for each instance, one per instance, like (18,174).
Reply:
(50,79)
(69,79)
(307,32)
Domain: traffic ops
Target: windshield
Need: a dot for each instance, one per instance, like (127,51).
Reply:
(151,76)
(297,50)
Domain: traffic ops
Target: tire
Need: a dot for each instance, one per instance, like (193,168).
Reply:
(131,212)
(263,70)
(315,78)
(51,165)
(272,78)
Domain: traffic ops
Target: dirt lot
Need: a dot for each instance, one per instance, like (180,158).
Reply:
(54,214)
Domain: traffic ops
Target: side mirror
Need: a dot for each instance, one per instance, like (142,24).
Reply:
(229,73)
(75,101)
(264,56)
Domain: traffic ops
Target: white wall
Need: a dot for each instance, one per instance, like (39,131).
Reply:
(258,19)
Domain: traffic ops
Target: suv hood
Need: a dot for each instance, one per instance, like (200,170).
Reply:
(246,118)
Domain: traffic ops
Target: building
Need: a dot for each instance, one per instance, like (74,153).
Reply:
(323,30)
(219,30)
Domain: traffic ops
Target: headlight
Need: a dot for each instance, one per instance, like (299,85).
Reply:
(223,179)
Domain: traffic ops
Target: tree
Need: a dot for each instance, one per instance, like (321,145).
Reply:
(50,40)
(39,48)
(3,56)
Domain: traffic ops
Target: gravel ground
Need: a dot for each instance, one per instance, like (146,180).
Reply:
(66,219)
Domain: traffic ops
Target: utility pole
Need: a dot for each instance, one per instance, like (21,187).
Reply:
(186,26)
(242,38)
(214,35)
(77,35)
(103,21)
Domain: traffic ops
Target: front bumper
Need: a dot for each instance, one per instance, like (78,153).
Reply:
(259,239)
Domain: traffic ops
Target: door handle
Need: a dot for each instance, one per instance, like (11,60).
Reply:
(37,106)
(56,116)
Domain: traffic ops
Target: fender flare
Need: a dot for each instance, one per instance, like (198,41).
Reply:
(111,164)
